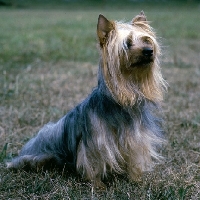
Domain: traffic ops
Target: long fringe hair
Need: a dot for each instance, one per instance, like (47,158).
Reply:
(126,85)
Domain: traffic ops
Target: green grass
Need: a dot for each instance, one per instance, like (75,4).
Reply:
(52,34)
(48,64)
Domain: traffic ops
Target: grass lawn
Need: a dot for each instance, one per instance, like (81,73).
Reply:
(48,64)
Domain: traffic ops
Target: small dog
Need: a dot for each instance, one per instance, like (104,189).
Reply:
(115,129)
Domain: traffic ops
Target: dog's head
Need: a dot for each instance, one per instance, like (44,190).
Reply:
(129,56)
(135,41)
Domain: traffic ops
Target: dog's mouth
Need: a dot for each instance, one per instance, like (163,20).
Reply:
(143,62)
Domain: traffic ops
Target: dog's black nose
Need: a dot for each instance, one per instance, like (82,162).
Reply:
(147,51)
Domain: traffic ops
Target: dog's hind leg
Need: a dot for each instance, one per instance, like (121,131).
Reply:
(28,162)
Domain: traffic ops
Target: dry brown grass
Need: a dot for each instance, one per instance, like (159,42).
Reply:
(44,91)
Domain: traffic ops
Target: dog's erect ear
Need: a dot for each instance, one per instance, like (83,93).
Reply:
(104,26)
(140,18)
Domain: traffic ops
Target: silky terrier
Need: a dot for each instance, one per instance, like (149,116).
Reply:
(116,129)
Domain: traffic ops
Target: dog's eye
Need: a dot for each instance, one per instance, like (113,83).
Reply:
(147,40)
(128,43)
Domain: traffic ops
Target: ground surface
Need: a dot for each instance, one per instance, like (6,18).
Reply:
(48,63)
